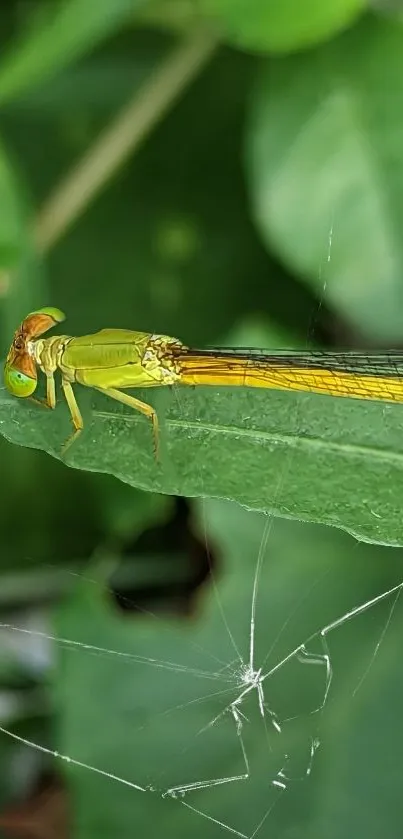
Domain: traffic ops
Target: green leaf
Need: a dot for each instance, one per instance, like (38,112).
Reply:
(359,745)
(71,29)
(325,163)
(272,26)
(164,688)
(305,456)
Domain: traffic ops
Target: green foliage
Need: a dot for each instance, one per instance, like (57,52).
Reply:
(13,222)
(165,712)
(317,464)
(62,35)
(264,209)
(338,140)
(22,283)
(269,26)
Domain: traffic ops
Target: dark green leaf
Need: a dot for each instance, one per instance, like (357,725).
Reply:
(315,458)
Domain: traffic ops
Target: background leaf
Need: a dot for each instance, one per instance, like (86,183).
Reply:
(324,162)
(144,710)
(69,30)
(268,26)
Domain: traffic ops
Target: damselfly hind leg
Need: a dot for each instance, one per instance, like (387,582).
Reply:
(75,414)
(50,400)
(137,405)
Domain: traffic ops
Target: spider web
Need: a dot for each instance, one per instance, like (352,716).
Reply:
(253,704)
(225,716)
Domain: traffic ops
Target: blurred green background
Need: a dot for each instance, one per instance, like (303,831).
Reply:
(226,172)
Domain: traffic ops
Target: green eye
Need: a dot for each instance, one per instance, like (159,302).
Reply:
(18,383)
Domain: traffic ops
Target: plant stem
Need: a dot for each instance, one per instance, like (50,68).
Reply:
(121,138)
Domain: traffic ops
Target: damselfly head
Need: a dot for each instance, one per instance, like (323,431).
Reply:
(20,373)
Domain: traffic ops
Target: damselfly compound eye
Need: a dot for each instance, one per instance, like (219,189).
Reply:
(18,383)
